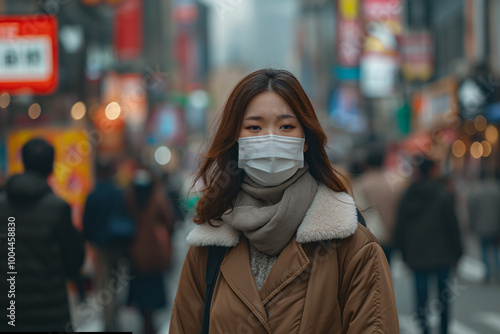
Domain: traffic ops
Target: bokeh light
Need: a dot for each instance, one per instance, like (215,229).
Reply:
(480,123)
(486,148)
(491,134)
(163,155)
(458,148)
(476,150)
(113,110)
(4,100)
(78,110)
(34,111)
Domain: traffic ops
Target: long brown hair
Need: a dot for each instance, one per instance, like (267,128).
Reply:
(219,171)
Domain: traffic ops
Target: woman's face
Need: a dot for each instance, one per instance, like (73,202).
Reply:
(269,114)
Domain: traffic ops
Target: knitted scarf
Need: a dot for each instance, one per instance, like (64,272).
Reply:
(270,216)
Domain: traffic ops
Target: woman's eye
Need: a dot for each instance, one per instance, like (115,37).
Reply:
(253,128)
(287,127)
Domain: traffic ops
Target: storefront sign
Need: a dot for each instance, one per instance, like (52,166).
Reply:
(350,37)
(389,12)
(417,53)
(129,30)
(345,112)
(349,42)
(167,125)
(28,54)
(378,75)
(439,104)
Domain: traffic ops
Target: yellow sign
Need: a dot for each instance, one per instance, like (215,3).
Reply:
(72,178)
(349,9)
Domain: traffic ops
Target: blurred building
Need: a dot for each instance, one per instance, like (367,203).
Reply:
(454,105)
(421,73)
(127,79)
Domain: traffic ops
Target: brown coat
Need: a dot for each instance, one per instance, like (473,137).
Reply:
(332,278)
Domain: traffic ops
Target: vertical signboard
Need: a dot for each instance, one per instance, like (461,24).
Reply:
(129,30)
(380,58)
(350,38)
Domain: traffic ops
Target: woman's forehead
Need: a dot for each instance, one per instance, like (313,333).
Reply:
(268,104)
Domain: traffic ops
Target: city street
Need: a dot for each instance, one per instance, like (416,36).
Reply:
(476,309)
(106,106)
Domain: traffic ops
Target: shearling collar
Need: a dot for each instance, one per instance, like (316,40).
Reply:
(332,215)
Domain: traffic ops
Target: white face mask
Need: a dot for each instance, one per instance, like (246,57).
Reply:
(270,160)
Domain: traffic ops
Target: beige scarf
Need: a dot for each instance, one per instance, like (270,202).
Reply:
(270,216)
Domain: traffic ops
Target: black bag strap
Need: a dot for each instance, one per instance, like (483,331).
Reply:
(361,219)
(215,256)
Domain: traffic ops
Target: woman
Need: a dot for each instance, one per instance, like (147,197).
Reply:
(297,259)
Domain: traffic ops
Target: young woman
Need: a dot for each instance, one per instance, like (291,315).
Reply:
(297,260)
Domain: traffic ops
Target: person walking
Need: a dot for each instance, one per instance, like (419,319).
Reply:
(428,235)
(484,219)
(378,199)
(295,258)
(151,250)
(47,249)
(108,227)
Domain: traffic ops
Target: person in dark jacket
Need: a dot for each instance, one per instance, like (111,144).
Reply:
(43,248)
(428,235)
(104,204)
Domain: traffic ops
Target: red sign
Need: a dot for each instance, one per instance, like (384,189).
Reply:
(28,54)
(388,11)
(350,39)
(128,30)
(350,34)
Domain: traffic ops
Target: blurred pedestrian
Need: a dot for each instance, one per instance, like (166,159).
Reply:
(173,193)
(2,182)
(377,198)
(46,248)
(428,235)
(277,218)
(151,250)
(484,217)
(109,228)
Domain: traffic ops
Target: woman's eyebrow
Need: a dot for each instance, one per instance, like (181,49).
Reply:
(258,118)
(253,118)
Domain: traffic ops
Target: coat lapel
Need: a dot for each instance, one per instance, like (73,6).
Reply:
(290,264)
(238,274)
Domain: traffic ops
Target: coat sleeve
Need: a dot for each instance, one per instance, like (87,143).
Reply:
(367,294)
(187,312)
(71,243)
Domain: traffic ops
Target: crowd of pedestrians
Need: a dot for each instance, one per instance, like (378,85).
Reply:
(418,218)
(126,232)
